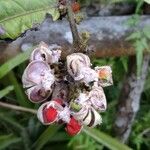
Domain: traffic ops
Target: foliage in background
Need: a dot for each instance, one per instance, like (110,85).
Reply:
(20,15)
(140,39)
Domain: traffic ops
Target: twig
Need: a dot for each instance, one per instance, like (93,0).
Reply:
(74,30)
(17,108)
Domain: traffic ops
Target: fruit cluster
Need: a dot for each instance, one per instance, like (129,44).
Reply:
(40,77)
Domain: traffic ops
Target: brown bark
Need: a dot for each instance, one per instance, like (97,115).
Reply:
(129,100)
(107,36)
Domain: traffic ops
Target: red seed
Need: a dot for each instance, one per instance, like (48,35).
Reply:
(73,127)
(49,114)
(58,100)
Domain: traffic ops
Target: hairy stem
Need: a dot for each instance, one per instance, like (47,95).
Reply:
(74,30)
(17,108)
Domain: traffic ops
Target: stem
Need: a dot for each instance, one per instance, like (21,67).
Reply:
(18,108)
(74,30)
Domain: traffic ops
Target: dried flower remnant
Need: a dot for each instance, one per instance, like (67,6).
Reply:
(88,100)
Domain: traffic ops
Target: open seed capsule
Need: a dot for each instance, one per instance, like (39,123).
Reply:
(50,54)
(88,75)
(37,94)
(48,112)
(98,99)
(78,66)
(35,72)
(38,79)
(75,62)
(88,116)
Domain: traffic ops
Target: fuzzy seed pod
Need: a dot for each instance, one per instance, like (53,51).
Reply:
(104,75)
(98,99)
(78,66)
(75,61)
(38,79)
(48,112)
(88,116)
(35,72)
(88,75)
(49,54)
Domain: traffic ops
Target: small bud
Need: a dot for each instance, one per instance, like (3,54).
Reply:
(73,127)
(105,75)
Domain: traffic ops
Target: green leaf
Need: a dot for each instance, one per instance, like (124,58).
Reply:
(46,136)
(105,139)
(18,127)
(133,20)
(124,61)
(139,5)
(144,42)
(16,16)
(134,36)
(146,31)
(147,85)
(118,1)
(147,1)
(60,137)
(5,91)
(7,140)
(139,47)
(12,63)
(20,94)
(9,120)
